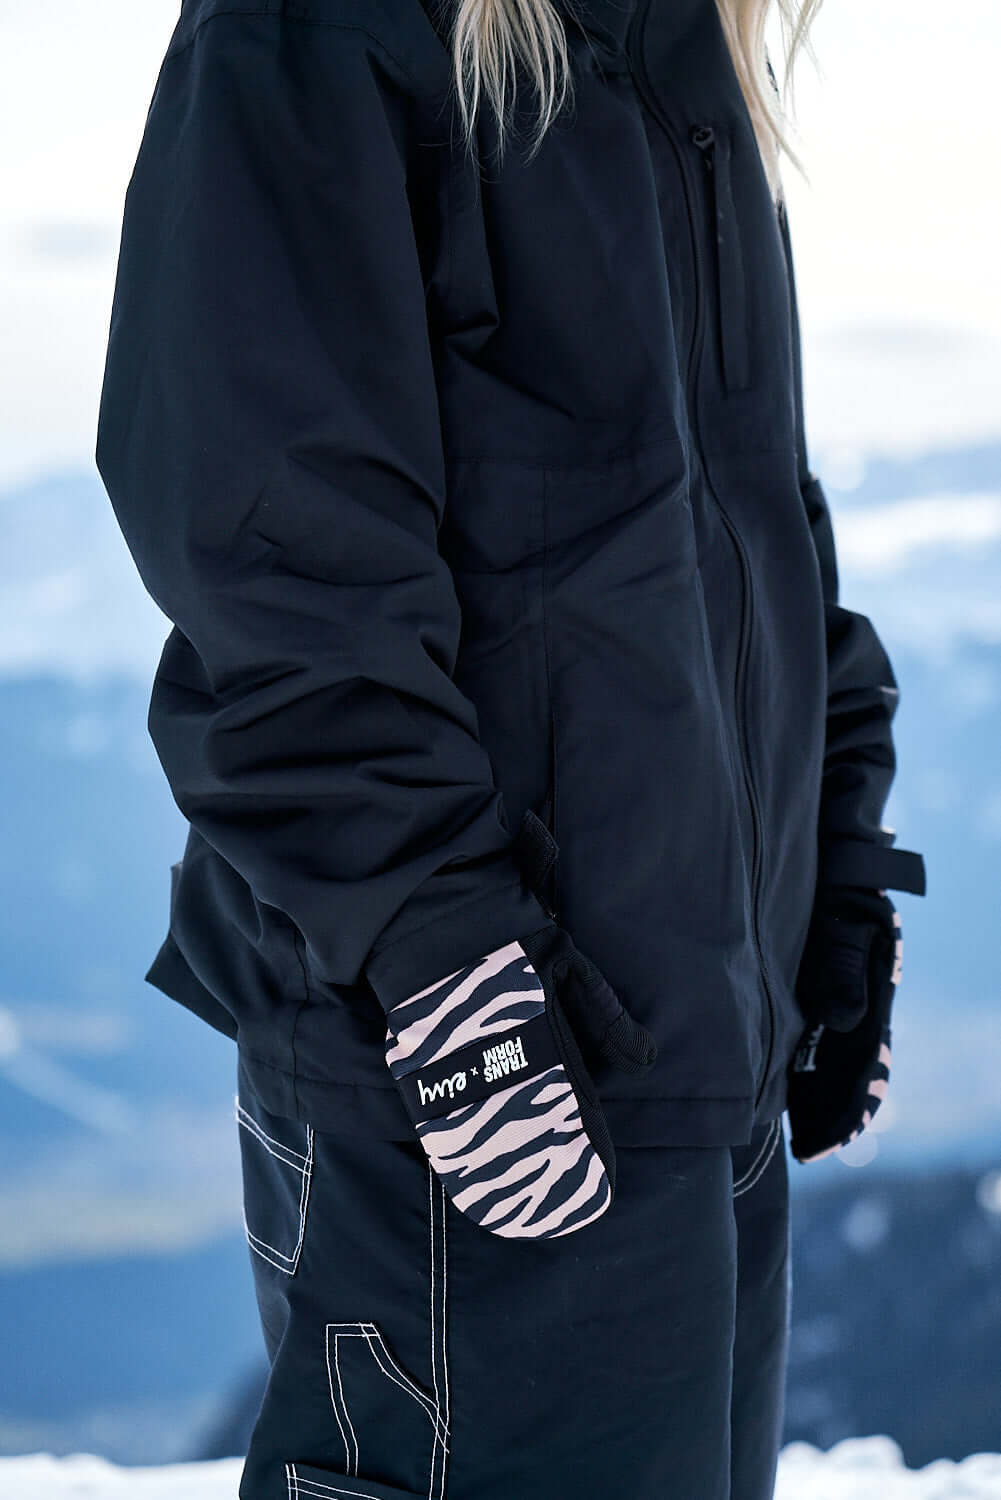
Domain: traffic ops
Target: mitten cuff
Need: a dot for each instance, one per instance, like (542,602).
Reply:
(502,910)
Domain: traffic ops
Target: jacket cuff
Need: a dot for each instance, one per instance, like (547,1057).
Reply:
(878,866)
(503,908)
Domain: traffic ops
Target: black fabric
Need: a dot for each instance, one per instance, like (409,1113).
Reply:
(588,1022)
(852,928)
(840,1074)
(854,862)
(412,1355)
(474,487)
(602,1026)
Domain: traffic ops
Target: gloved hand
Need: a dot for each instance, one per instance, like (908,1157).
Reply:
(489,1062)
(848,975)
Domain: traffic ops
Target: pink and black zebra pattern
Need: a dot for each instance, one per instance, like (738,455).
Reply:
(519,1162)
(879,1081)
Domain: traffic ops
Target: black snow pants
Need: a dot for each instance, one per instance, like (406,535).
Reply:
(415,1354)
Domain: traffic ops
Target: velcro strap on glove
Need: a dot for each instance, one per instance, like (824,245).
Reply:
(859,862)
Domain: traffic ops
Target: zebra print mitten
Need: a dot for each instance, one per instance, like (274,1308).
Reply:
(495,1082)
(848,975)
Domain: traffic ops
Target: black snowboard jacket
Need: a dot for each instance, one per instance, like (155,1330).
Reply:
(477,490)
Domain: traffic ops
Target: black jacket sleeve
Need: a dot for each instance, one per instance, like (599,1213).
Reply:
(269,439)
(854,846)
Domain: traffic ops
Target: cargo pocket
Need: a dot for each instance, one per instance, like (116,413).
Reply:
(372,1396)
(276,1158)
(306,1479)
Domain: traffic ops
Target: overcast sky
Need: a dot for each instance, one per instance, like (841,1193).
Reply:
(896,237)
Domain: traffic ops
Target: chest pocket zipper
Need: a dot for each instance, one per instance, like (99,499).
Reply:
(730,281)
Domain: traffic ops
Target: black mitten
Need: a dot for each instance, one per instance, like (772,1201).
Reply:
(848,975)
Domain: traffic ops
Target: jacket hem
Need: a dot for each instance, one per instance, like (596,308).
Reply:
(173,976)
(378,1113)
(344,1107)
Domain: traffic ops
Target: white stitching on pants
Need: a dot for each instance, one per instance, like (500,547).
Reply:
(768,1145)
(351,1465)
(761,1151)
(434,1364)
(262,1246)
(370,1331)
(297,1486)
(444,1309)
(434,1369)
(436,1413)
(438,1343)
(244,1118)
(372,1336)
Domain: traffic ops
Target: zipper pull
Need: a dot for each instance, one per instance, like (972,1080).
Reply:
(730,284)
(704,137)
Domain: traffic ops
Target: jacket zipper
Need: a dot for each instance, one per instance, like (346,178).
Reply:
(704,137)
(730,285)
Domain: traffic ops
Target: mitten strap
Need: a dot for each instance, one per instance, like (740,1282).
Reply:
(858,862)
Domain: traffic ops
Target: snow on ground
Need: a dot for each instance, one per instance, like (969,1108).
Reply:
(869,1468)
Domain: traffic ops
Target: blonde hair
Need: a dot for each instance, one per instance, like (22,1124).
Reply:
(489,36)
